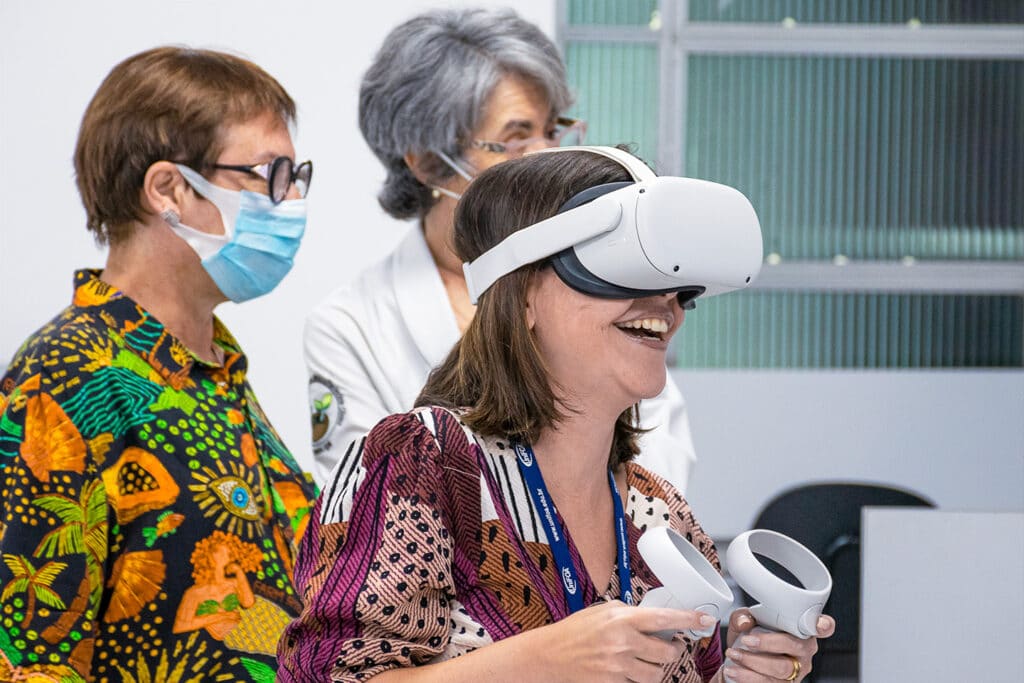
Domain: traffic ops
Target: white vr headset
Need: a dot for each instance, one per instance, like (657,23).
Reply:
(630,240)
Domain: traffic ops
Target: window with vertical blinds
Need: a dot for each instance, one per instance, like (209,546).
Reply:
(621,83)
(820,330)
(855,11)
(867,158)
(611,13)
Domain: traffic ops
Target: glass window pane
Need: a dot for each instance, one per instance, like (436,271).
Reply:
(820,330)
(873,158)
(612,12)
(861,11)
(616,86)
(869,158)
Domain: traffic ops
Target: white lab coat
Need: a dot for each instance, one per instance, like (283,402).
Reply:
(370,345)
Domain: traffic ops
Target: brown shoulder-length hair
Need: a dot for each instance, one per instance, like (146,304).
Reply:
(168,103)
(496,370)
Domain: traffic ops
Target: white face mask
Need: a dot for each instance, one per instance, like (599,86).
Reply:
(455,166)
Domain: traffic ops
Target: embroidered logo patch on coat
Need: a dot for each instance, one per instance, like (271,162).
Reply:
(326,410)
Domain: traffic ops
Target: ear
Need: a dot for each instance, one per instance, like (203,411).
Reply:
(163,188)
(532,289)
(416,165)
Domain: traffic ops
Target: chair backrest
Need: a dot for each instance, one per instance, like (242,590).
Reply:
(825,517)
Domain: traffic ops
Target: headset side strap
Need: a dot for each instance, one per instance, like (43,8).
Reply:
(540,240)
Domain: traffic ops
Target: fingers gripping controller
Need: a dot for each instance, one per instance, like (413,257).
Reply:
(688,580)
(782,606)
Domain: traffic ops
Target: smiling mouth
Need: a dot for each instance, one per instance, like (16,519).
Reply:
(646,328)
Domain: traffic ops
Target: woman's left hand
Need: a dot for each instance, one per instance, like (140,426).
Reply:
(768,655)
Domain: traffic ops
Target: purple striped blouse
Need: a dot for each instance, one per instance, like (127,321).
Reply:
(426,545)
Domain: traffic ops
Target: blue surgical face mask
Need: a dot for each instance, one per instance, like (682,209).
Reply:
(259,242)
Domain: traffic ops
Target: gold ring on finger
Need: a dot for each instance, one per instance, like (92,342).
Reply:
(796,669)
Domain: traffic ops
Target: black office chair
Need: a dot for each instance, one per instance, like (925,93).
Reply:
(826,518)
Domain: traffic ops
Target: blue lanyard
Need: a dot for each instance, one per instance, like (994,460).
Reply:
(559,546)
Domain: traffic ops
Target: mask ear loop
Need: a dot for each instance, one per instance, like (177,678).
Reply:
(171,217)
(436,191)
(467,176)
(226,201)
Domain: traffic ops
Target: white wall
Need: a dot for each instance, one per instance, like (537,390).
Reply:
(955,436)
(53,56)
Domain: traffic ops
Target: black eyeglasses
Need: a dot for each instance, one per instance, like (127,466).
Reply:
(279,174)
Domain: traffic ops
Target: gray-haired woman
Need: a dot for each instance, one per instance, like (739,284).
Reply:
(450,94)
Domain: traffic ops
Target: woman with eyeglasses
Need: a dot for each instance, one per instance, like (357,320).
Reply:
(450,94)
(149,513)
(491,533)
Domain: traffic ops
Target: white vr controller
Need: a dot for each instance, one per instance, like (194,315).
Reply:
(782,606)
(690,582)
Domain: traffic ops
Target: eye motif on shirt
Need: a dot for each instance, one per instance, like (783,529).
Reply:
(230,493)
(236,496)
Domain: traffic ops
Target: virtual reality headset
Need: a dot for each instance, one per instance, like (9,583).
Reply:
(630,240)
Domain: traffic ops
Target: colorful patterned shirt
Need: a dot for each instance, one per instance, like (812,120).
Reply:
(426,545)
(149,513)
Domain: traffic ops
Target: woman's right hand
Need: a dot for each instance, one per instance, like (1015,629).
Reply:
(613,642)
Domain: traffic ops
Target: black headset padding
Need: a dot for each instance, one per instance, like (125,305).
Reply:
(592,193)
(573,273)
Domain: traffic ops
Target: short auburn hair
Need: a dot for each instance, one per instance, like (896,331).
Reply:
(496,370)
(169,103)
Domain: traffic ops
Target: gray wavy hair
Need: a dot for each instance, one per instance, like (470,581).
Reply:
(428,84)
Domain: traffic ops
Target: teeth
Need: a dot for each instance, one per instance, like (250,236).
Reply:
(653,324)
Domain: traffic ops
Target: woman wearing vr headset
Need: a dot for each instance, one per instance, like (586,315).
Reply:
(491,533)
(451,93)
